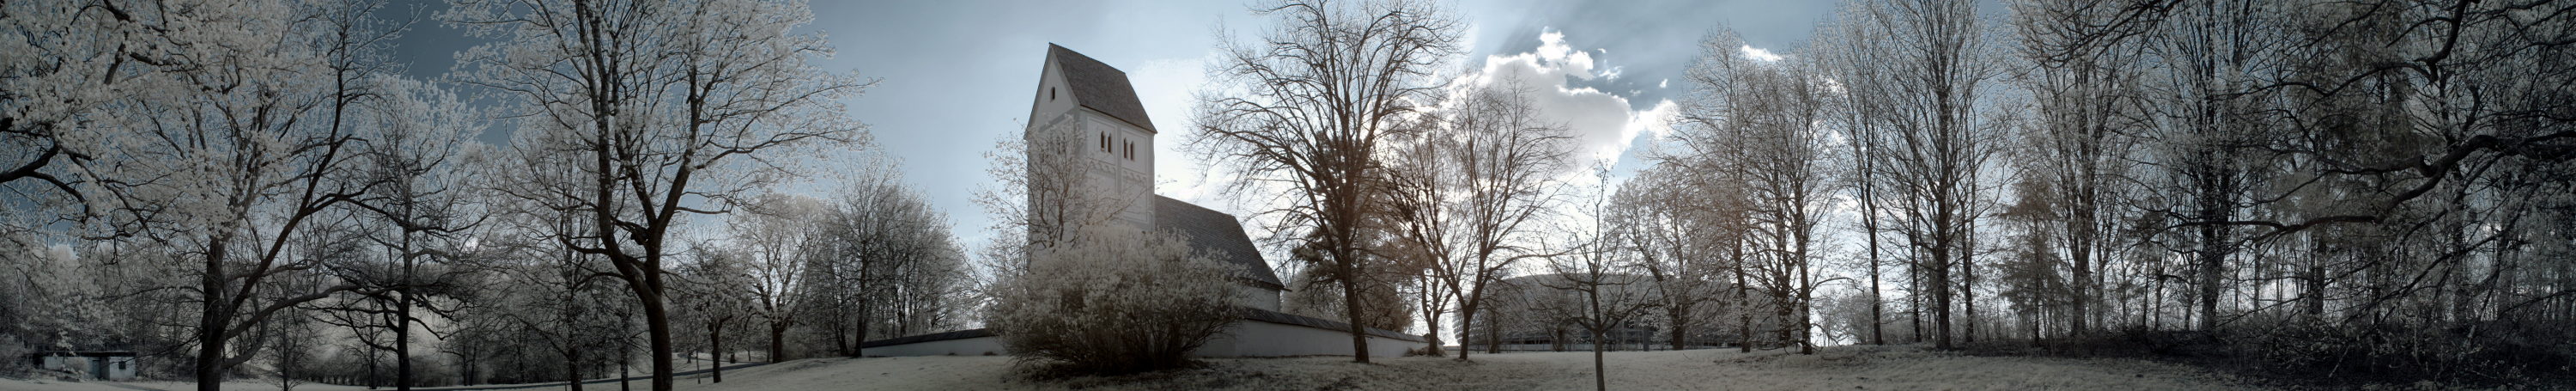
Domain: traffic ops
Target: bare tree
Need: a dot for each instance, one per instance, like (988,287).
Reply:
(1308,109)
(1509,166)
(1611,297)
(778,236)
(228,148)
(714,297)
(1419,190)
(1924,64)
(1760,123)
(2080,85)
(1659,218)
(678,107)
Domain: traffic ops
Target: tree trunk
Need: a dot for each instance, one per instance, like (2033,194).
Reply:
(777,345)
(572,368)
(658,324)
(715,348)
(1968,283)
(1940,274)
(1869,229)
(1600,380)
(402,341)
(1743,304)
(1493,336)
(1681,329)
(1349,274)
(372,373)
(1467,330)
(211,322)
(1914,295)
(2314,302)
(1806,303)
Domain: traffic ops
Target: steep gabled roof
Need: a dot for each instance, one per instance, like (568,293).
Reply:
(1214,232)
(1099,86)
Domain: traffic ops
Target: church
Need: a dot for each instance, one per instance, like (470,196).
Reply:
(1093,102)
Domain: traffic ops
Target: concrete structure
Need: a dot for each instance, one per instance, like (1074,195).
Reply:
(1262,333)
(116,366)
(1535,312)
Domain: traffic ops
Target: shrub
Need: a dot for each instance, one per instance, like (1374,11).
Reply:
(1122,303)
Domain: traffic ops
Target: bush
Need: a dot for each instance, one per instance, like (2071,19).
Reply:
(1123,303)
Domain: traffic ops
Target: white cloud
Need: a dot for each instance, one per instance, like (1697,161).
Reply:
(1760,54)
(1603,123)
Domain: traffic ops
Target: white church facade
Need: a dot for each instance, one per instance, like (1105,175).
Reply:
(1090,102)
(1094,104)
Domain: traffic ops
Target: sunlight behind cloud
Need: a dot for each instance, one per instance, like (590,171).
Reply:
(1760,54)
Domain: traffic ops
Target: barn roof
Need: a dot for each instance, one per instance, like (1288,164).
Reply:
(1215,232)
(1099,86)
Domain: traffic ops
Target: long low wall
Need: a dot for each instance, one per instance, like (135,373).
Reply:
(977,342)
(1262,333)
(1578,347)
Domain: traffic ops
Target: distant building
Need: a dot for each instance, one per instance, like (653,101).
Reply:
(1536,312)
(113,366)
(1092,103)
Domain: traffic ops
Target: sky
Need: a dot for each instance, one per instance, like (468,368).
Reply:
(955,76)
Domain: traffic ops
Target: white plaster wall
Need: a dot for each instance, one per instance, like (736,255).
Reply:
(976,346)
(1130,180)
(81,365)
(1044,106)
(1246,339)
(1576,347)
(1257,297)
(1265,339)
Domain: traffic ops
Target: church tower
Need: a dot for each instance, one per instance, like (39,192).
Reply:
(1091,104)
(1087,128)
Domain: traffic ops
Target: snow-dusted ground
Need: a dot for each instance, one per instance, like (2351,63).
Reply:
(48,385)
(1840,368)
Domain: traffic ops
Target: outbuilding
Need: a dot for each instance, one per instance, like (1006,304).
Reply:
(94,365)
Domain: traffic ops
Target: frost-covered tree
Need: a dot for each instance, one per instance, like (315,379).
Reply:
(238,133)
(777,238)
(1921,67)
(713,282)
(1760,124)
(675,108)
(1662,221)
(1126,302)
(887,265)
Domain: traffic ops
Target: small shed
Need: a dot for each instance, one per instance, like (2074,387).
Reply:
(93,365)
